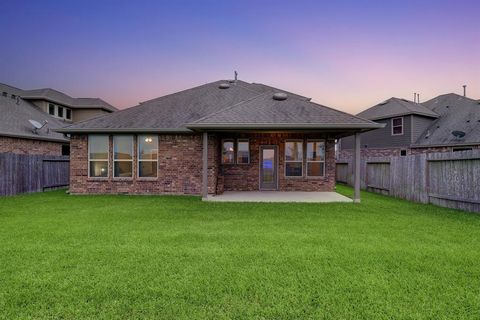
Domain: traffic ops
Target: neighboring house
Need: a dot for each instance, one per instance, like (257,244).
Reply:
(448,122)
(225,135)
(48,107)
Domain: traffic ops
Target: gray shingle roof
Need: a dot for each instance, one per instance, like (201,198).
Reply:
(14,121)
(396,107)
(264,111)
(457,113)
(241,103)
(61,98)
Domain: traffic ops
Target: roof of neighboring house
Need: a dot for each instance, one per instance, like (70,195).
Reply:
(242,103)
(395,107)
(56,96)
(457,113)
(15,114)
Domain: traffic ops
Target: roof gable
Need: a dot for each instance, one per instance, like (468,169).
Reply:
(394,107)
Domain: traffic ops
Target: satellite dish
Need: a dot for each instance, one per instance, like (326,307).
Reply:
(458,134)
(35,124)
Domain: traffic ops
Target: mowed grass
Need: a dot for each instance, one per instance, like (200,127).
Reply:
(173,257)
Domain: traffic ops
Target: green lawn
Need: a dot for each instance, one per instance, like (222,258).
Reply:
(121,257)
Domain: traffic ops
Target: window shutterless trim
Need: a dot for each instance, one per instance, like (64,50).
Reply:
(236,153)
(401,126)
(316,161)
(146,160)
(122,160)
(108,156)
(293,161)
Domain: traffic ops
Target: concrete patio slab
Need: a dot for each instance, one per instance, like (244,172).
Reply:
(278,196)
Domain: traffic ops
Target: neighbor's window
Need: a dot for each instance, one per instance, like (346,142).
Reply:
(98,156)
(51,109)
(228,154)
(294,158)
(315,158)
(65,149)
(60,111)
(147,156)
(243,151)
(68,114)
(123,156)
(397,126)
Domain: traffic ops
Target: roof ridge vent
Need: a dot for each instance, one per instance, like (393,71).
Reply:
(224,85)
(280,96)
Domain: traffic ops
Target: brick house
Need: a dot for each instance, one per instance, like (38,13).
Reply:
(49,108)
(227,135)
(446,123)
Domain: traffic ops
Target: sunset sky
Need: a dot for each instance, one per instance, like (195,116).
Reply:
(345,54)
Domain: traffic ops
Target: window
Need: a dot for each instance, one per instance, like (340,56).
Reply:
(5,94)
(403,153)
(68,114)
(65,150)
(228,154)
(123,156)
(51,109)
(397,126)
(59,112)
(315,158)
(243,151)
(98,156)
(294,158)
(147,156)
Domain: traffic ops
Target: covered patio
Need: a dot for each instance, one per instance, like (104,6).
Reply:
(277,196)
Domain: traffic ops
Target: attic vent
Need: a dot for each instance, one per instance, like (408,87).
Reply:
(231,81)
(280,96)
(458,134)
(224,85)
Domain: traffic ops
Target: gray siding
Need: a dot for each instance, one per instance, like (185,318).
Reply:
(383,138)
(419,125)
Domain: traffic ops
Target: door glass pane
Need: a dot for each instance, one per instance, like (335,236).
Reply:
(228,152)
(268,165)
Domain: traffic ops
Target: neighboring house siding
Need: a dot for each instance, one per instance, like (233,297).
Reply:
(180,167)
(85,114)
(419,125)
(245,177)
(383,138)
(30,146)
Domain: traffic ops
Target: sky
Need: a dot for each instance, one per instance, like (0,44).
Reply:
(348,55)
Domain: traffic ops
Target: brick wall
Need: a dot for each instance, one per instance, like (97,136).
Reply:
(179,168)
(245,177)
(30,146)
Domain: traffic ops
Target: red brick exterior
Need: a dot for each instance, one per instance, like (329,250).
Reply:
(245,177)
(30,146)
(180,167)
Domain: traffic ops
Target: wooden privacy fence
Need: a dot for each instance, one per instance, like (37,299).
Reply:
(446,179)
(21,173)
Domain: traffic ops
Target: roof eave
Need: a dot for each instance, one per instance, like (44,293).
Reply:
(347,126)
(42,138)
(415,146)
(122,130)
(404,114)
(70,105)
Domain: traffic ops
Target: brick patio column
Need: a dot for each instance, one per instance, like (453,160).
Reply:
(205,166)
(356,168)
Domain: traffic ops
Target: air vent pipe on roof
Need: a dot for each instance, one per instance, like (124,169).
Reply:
(280,96)
(464,90)
(224,85)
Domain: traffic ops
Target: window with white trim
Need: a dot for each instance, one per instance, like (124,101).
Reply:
(123,156)
(98,156)
(243,151)
(294,158)
(315,158)
(147,156)
(397,126)
(228,152)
